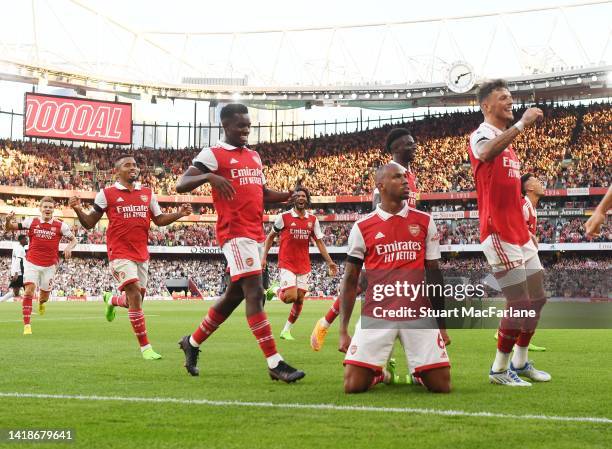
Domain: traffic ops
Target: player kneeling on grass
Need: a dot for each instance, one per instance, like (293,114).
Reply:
(130,208)
(296,228)
(396,244)
(45,233)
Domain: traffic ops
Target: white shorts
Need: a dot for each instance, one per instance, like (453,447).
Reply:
(288,279)
(371,348)
(127,272)
(503,256)
(243,257)
(41,277)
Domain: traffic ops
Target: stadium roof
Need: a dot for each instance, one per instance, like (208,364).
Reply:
(338,52)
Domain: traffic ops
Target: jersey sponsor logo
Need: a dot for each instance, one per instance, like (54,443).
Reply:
(133,211)
(46,234)
(247,176)
(398,251)
(514,167)
(380,235)
(299,234)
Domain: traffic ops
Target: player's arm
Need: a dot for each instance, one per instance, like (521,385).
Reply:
(348,287)
(267,245)
(347,296)
(201,171)
(71,245)
(10,223)
(489,149)
(87,219)
(317,235)
(162,219)
(593,224)
(274,196)
(433,275)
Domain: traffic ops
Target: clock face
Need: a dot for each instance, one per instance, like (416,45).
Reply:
(460,77)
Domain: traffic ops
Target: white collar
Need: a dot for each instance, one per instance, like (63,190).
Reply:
(494,128)
(528,201)
(296,215)
(228,146)
(118,185)
(386,215)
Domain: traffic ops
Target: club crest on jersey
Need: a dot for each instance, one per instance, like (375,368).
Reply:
(309,225)
(144,198)
(414,229)
(249,261)
(353,349)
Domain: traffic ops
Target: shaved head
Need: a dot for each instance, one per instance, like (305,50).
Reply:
(391,183)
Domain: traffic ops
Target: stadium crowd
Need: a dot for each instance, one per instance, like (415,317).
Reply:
(570,148)
(570,276)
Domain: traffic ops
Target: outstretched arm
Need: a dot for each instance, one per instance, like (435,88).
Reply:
(331,265)
(166,219)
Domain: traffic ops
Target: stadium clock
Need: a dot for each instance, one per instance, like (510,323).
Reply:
(460,77)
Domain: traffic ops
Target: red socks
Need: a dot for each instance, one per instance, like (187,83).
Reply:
(138,324)
(260,326)
(119,301)
(208,325)
(295,312)
(26,308)
(530,324)
(333,311)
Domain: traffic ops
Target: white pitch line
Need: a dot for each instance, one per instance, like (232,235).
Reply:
(333,407)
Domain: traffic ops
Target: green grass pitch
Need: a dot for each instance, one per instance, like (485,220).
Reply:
(74,351)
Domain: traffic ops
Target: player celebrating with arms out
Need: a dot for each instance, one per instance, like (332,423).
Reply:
(238,191)
(395,243)
(296,227)
(504,235)
(130,208)
(45,234)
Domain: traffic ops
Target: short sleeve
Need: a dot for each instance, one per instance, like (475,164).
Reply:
(279,224)
(432,242)
(154,205)
(206,158)
(66,231)
(479,138)
(25,224)
(318,234)
(100,203)
(356,244)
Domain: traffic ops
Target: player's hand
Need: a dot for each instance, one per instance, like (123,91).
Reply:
(74,202)
(67,253)
(445,337)
(186,210)
(222,186)
(10,218)
(531,115)
(344,342)
(332,269)
(593,224)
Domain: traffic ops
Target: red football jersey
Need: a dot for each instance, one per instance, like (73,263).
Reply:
(45,237)
(295,234)
(393,249)
(414,190)
(241,216)
(530,215)
(498,189)
(129,219)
